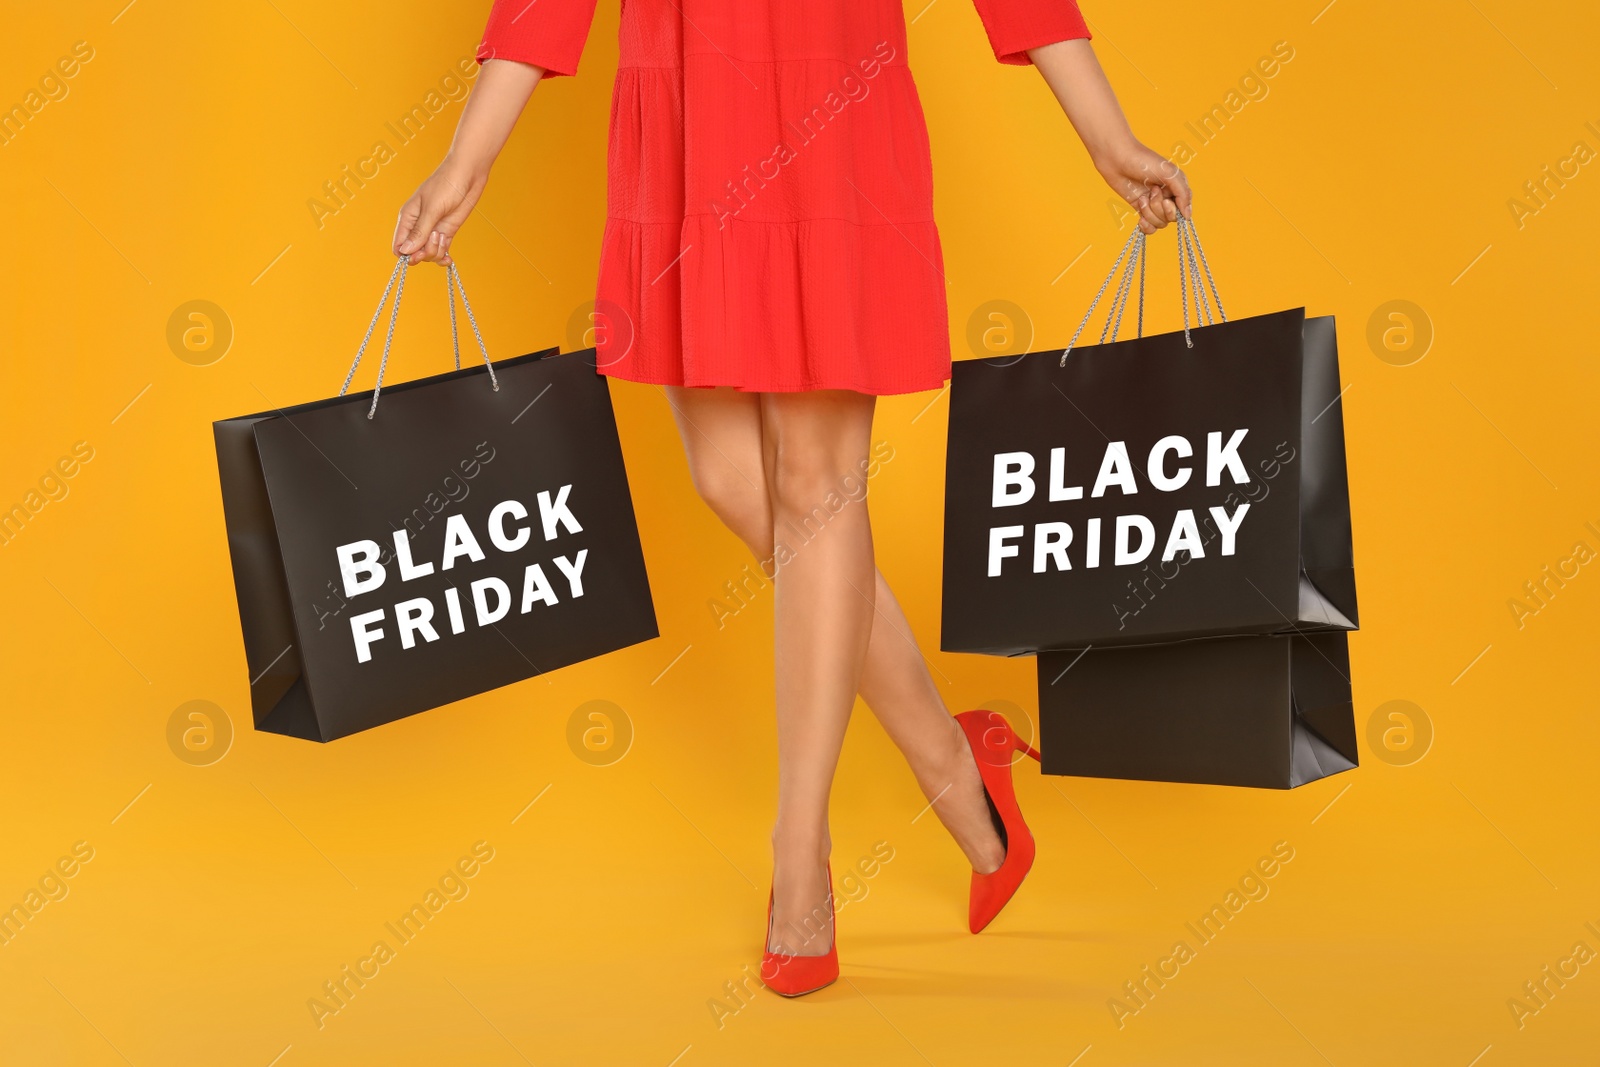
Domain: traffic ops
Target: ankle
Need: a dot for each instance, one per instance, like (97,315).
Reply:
(951,762)
(800,847)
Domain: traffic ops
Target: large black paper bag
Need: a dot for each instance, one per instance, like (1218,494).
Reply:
(1265,711)
(458,534)
(1147,491)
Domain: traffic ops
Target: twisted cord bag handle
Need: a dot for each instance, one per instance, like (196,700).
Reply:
(1191,261)
(453,285)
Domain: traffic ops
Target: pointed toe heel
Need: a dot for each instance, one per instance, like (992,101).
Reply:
(994,744)
(795,976)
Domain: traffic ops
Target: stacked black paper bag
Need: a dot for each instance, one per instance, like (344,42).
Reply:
(1165,522)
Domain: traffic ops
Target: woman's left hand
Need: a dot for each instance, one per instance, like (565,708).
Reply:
(1154,186)
(1150,183)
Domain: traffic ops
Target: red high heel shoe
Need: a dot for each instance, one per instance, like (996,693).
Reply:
(993,742)
(795,976)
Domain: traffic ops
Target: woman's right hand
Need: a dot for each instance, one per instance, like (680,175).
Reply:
(430,219)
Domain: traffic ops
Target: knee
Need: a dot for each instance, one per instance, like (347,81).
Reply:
(721,487)
(732,498)
(811,481)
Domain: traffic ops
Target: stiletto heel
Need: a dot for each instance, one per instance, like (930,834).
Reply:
(993,742)
(795,976)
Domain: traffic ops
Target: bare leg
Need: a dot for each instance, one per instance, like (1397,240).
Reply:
(896,685)
(722,435)
(812,443)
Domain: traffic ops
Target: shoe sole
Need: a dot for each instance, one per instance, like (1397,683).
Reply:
(803,992)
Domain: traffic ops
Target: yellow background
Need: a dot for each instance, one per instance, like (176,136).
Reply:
(1420,898)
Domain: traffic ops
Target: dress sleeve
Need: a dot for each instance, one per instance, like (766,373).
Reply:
(1014,26)
(544,33)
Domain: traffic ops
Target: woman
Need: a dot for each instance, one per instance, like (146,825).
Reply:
(770,258)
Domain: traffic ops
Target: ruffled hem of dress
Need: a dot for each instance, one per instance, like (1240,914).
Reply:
(865,388)
(776,306)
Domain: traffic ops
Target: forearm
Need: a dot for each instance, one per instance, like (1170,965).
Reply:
(1153,185)
(502,91)
(441,204)
(1074,76)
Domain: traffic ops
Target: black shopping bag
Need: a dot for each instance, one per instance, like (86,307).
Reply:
(456,534)
(1180,485)
(1265,711)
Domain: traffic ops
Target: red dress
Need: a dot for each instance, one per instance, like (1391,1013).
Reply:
(770,193)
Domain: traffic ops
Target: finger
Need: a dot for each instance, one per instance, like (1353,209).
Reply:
(1177,187)
(1164,205)
(1151,215)
(412,241)
(408,218)
(425,251)
(450,225)
(427,221)
(1138,201)
(430,250)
